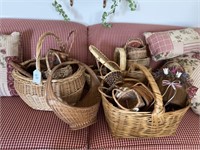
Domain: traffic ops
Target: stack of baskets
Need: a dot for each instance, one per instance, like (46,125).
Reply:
(155,122)
(134,51)
(34,94)
(61,89)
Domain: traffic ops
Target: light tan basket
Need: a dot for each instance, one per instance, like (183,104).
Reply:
(84,113)
(34,95)
(135,49)
(127,124)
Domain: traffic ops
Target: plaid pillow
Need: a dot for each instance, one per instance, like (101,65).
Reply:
(9,50)
(169,44)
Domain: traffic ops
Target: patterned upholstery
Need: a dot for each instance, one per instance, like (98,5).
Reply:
(187,137)
(31,30)
(25,128)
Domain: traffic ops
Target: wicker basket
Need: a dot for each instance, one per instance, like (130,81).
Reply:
(135,49)
(34,95)
(84,113)
(127,124)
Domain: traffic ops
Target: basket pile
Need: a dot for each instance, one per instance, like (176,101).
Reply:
(34,94)
(131,123)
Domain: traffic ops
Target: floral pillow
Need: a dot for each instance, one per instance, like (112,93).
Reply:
(169,44)
(191,64)
(9,50)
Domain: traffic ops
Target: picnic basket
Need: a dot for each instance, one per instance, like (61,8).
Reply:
(129,124)
(34,94)
(84,112)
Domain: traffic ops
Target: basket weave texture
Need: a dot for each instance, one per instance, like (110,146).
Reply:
(34,94)
(128,124)
(84,112)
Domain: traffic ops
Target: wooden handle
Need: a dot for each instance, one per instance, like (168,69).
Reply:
(20,69)
(120,57)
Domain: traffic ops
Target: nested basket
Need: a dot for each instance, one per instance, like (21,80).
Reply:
(84,112)
(128,124)
(34,94)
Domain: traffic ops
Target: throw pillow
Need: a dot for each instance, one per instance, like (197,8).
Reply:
(169,44)
(191,64)
(9,51)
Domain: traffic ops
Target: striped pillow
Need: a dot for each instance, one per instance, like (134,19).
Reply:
(9,50)
(169,44)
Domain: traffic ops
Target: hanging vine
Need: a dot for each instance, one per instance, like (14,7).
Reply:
(132,6)
(105,15)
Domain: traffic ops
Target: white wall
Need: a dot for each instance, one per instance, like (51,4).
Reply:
(88,12)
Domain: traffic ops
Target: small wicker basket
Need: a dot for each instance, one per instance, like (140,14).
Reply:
(127,124)
(84,113)
(135,49)
(34,95)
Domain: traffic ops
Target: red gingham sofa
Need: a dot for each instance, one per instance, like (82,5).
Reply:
(21,127)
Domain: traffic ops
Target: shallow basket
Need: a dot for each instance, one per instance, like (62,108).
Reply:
(128,124)
(34,95)
(84,112)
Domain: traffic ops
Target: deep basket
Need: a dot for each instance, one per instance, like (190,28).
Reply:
(128,124)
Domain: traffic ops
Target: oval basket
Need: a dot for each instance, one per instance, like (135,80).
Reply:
(34,94)
(84,113)
(128,124)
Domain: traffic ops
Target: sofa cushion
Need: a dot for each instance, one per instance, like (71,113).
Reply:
(25,128)
(107,39)
(10,50)
(32,29)
(187,136)
(172,43)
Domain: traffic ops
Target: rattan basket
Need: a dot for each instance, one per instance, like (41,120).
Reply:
(84,113)
(128,124)
(34,94)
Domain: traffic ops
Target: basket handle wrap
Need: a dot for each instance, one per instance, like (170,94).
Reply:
(92,93)
(136,40)
(39,46)
(158,105)
(120,57)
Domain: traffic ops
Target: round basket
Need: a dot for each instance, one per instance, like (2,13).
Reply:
(84,112)
(128,124)
(70,88)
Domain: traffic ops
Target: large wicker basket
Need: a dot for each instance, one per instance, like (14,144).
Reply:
(128,124)
(34,94)
(84,113)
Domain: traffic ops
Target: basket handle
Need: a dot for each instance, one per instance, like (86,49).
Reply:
(158,105)
(101,67)
(92,93)
(51,51)
(39,46)
(136,40)
(120,57)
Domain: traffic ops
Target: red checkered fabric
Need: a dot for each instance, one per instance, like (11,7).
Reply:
(31,30)
(186,138)
(163,42)
(24,128)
